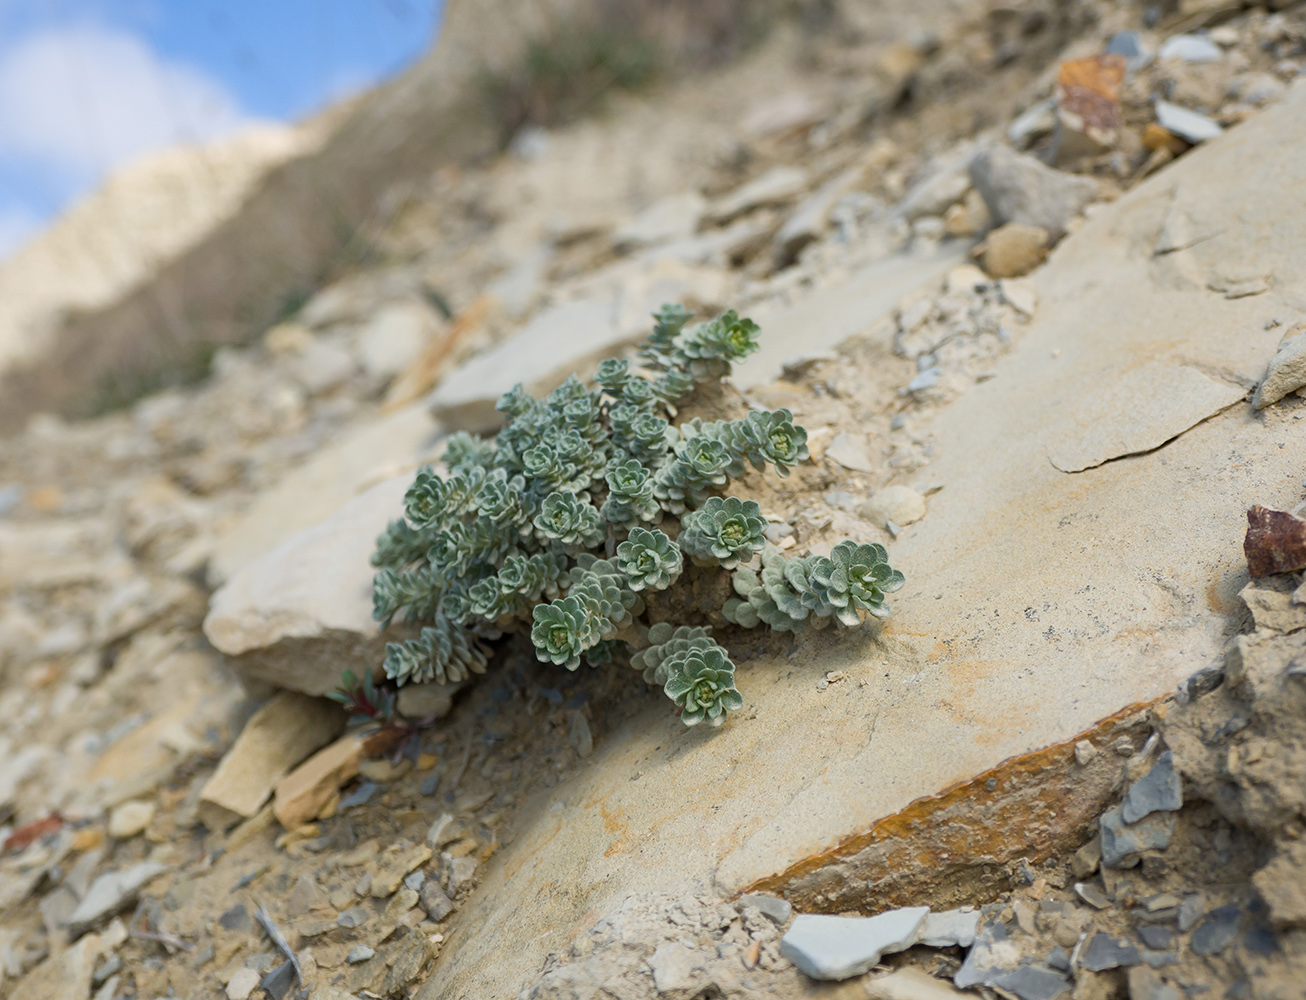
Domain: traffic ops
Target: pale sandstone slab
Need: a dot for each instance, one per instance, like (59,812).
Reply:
(362,457)
(277,737)
(301,614)
(1064,596)
(302,793)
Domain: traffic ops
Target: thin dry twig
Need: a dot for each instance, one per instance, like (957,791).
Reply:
(279,940)
(169,941)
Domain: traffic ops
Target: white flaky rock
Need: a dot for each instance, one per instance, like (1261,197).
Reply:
(826,947)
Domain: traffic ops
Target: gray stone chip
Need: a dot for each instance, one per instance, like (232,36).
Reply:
(1216,931)
(993,962)
(1106,952)
(1122,842)
(1160,790)
(776,910)
(110,892)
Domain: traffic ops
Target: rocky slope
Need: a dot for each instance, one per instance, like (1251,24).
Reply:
(1077,740)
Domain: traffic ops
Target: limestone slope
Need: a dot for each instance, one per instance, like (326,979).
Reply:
(990,653)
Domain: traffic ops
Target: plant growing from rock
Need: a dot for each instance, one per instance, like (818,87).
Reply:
(591,499)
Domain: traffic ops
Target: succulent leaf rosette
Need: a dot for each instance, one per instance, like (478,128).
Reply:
(703,687)
(588,501)
(649,559)
(727,531)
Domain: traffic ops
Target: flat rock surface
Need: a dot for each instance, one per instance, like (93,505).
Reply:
(293,613)
(317,489)
(1064,596)
(556,342)
(829,316)
(1137,411)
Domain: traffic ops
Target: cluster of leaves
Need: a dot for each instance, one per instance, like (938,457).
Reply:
(588,500)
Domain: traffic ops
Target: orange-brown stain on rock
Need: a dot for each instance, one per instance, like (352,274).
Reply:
(615,825)
(1222,593)
(933,850)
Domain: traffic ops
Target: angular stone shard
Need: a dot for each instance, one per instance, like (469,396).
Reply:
(302,793)
(1019,188)
(1122,843)
(110,892)
(1287,371)
(1160,790)
(995,960)
(951,927)
(1275,542)
(826,947)
(277,737)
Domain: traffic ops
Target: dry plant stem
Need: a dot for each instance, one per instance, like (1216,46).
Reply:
(279,940)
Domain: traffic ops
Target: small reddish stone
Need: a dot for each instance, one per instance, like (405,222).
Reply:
(1275,542)
(32,832)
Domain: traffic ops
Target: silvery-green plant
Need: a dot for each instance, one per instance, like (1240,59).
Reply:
(591,499)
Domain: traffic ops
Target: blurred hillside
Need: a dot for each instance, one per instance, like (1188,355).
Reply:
(135,288)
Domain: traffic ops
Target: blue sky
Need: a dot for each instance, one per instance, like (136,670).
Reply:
(86,85)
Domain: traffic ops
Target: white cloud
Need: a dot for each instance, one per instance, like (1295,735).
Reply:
(16,225)
(85,99)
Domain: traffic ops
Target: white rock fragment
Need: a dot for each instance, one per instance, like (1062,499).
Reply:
(1020,188)
(1190,48)
(110,891)
(951,927)
(826,947)
(322,366)
(241,984)
(965,278)
(1287,371)
(810,218)
(779,184)
(943,183)
(900,504)
(1020,295)
(129,819)
(850,452)
(774,908)
(1190,126)
(303,609)
(672,218)
(394,337)
(558,340)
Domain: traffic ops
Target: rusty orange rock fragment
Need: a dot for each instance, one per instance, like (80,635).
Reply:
(1157,137)
(1275,542)
(954,848)
(1088,96)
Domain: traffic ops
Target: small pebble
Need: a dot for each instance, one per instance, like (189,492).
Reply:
(414,880)
(242,984)
(129,819)
(1216,931)
(359,953)
(434,901)
(355,916)
(1092,895)
(773,908)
